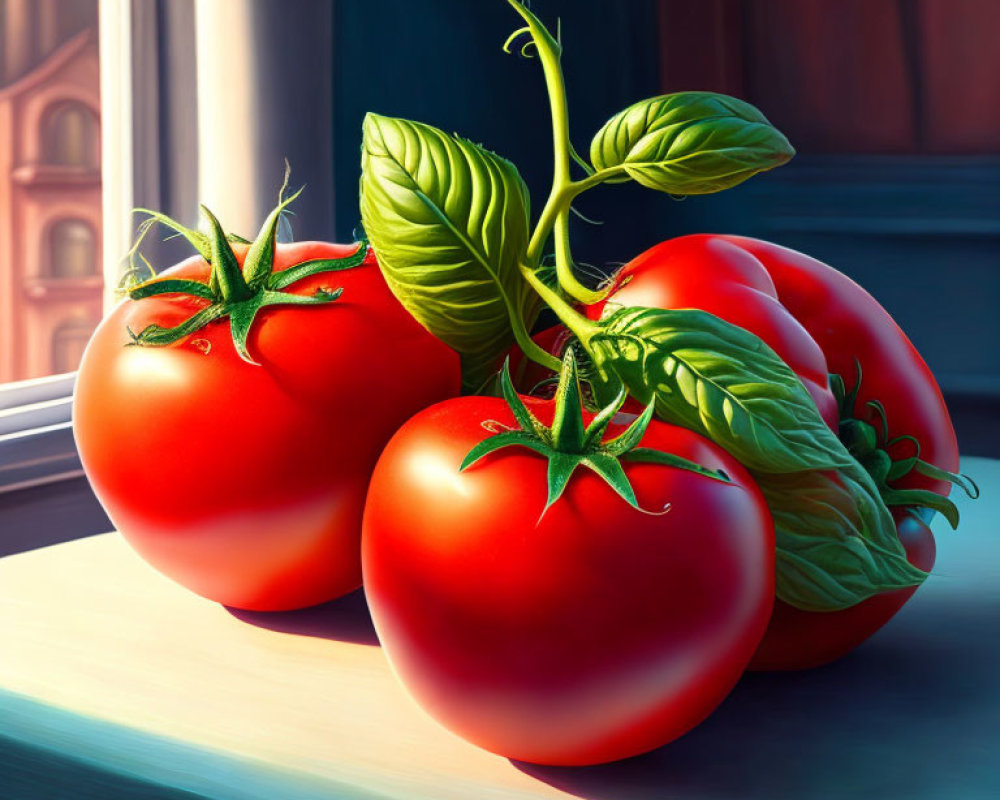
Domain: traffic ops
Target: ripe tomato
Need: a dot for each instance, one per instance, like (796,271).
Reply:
(593,633)
(246,483)
(819,321)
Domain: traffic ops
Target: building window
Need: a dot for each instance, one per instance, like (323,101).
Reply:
(71,137)
(68,341)
(72,249)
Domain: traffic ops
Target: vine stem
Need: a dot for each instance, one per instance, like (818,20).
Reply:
(581,327)
(555,213)
(528,345)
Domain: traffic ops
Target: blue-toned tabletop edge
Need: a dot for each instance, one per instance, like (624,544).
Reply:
(126,758)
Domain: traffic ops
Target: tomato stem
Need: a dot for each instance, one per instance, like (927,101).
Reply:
(555,212)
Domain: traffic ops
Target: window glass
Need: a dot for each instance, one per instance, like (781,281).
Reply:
(50,196)
(71,135)
(72,249)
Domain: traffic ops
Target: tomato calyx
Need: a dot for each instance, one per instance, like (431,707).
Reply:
(238,293)
(870,445)
(569,444)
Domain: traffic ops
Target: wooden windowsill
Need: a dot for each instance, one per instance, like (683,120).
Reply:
(104,660)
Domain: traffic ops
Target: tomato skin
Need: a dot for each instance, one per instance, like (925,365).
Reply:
(818,320)
(601,633)
(246,483)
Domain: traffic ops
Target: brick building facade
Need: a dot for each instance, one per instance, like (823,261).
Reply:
(50,192)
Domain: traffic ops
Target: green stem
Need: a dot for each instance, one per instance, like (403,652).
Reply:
(581,327)
(546,222)
(564,264)
(555,213)
(528,345)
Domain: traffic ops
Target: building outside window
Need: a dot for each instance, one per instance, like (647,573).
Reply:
(50,185)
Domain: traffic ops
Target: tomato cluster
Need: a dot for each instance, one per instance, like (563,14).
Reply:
(557,576)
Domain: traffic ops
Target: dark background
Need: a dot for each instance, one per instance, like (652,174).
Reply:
(893,106)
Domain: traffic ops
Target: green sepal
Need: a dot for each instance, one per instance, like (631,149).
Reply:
(232,294)
(568,432)
(242,315)
(225,268)
(963,482)
(646,455)
(501,440)
(158,336)
(599,424)
(568,444)
(528,421)
(306,269)
(925,498)
(259,261)
(561,468)
(196,239)
(170,286)
(871,446)
(610,469)
(629,438)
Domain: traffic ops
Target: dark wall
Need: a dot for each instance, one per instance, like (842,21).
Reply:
(440,62)
(920,232)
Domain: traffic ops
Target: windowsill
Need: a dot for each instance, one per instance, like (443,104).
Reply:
(106,660)
(48,288)
(56,175)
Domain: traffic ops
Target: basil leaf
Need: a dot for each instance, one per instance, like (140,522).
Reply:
(690,143)
(836,541)
(449,222)
(719,380)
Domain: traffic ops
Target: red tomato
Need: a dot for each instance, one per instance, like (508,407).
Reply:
(819,321)
(594,633)
(246,483)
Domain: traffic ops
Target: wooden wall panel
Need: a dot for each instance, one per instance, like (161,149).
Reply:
(961,75)
(831,75)
(702,46)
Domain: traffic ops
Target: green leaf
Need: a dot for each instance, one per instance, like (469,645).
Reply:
(449,222)
(689,143)
(836,541)
(719,380)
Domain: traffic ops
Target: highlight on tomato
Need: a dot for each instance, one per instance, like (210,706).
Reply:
(229,411)
(560,587)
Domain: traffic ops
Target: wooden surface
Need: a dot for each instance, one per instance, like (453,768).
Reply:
(103,662)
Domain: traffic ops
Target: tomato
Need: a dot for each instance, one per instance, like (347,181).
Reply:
(589,633)
(819,321)
(246,482)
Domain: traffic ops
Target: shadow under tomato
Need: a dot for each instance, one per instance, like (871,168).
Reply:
(345,619)
(913,713)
